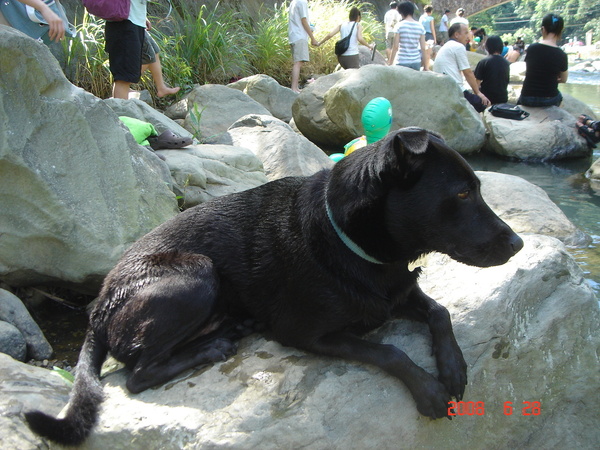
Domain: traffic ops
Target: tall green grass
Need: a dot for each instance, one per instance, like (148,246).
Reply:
(86,64)
(215,45)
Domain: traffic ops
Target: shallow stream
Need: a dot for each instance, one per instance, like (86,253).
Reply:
(563,181)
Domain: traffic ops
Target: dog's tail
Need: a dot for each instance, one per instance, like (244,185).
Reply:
(82,411)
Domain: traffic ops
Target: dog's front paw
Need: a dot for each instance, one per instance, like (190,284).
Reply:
(432,398)
(452,368)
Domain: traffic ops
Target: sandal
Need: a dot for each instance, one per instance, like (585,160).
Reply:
(168,140)
(587,121)
(589,135)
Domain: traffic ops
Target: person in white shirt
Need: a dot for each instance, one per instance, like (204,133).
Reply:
(452,60)
(390,20)
(460,18)
(443,29)
(299,31)
(350,58)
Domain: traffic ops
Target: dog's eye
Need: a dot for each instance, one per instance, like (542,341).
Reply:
(464,195)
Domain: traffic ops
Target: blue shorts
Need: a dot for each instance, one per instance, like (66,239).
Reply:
(124,42)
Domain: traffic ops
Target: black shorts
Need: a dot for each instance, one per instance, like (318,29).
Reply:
(124,42)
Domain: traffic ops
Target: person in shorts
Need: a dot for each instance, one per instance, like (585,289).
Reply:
(124,41)
(151,61)
(390,20)
(299,30)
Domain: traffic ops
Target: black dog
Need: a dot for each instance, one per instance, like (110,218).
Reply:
(317,259)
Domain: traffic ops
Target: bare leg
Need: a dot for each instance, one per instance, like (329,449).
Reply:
(296,75)
(121,89)
(156,70)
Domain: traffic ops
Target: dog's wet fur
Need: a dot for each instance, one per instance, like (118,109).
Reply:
(279,255)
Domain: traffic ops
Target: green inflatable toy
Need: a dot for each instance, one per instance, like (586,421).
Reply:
(377,119)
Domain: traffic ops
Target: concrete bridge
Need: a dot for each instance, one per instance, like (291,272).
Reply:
(471,7)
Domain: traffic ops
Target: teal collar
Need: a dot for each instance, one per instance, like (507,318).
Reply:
(346,239)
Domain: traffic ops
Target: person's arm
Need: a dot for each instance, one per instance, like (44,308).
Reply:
(394,49)
(563,76)
(432,24)
(424,53)
(57,27)
(360,38)
(332,33)
(306,27)
(470,77)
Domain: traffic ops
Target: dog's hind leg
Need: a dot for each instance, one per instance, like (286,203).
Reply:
(430,395)
(168,325)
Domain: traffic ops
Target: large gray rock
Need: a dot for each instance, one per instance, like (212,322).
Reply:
(24,388)
(268,92)
(212,109)
(282,151)
(547,134)
(13,311)
(203,172)
(528,329)
(517,72)
(576,107)
(12,341)
(329,110)
(593,172)
(528,209)
(75,188)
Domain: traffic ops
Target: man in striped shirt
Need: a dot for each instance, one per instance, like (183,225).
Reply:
(409,49)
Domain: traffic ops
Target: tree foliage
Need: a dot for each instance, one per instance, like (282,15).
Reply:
(524,17)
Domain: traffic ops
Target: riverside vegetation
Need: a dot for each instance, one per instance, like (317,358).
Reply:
(202,45)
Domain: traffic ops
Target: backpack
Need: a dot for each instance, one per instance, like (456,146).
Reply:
(342,45)
(112,10)
(508,111)
(30,21)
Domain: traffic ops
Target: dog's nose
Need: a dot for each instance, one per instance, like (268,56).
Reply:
(516,243)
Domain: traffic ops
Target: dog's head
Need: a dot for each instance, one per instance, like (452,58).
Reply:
(411,194)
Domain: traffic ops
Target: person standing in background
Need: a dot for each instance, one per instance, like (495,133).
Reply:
(124,43)
(460,18)
(299,31)
(151,61)
(428,23)
(350,58)
(410,36)
(443,29)
(390,20)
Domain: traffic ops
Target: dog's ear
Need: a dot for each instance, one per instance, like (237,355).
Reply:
(409,147)
(411,140)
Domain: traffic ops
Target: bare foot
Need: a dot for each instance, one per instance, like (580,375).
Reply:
(160,93)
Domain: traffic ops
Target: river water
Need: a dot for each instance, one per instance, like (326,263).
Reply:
(564,182)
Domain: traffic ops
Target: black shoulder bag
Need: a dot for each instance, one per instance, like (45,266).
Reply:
(508,111)
(342,45)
